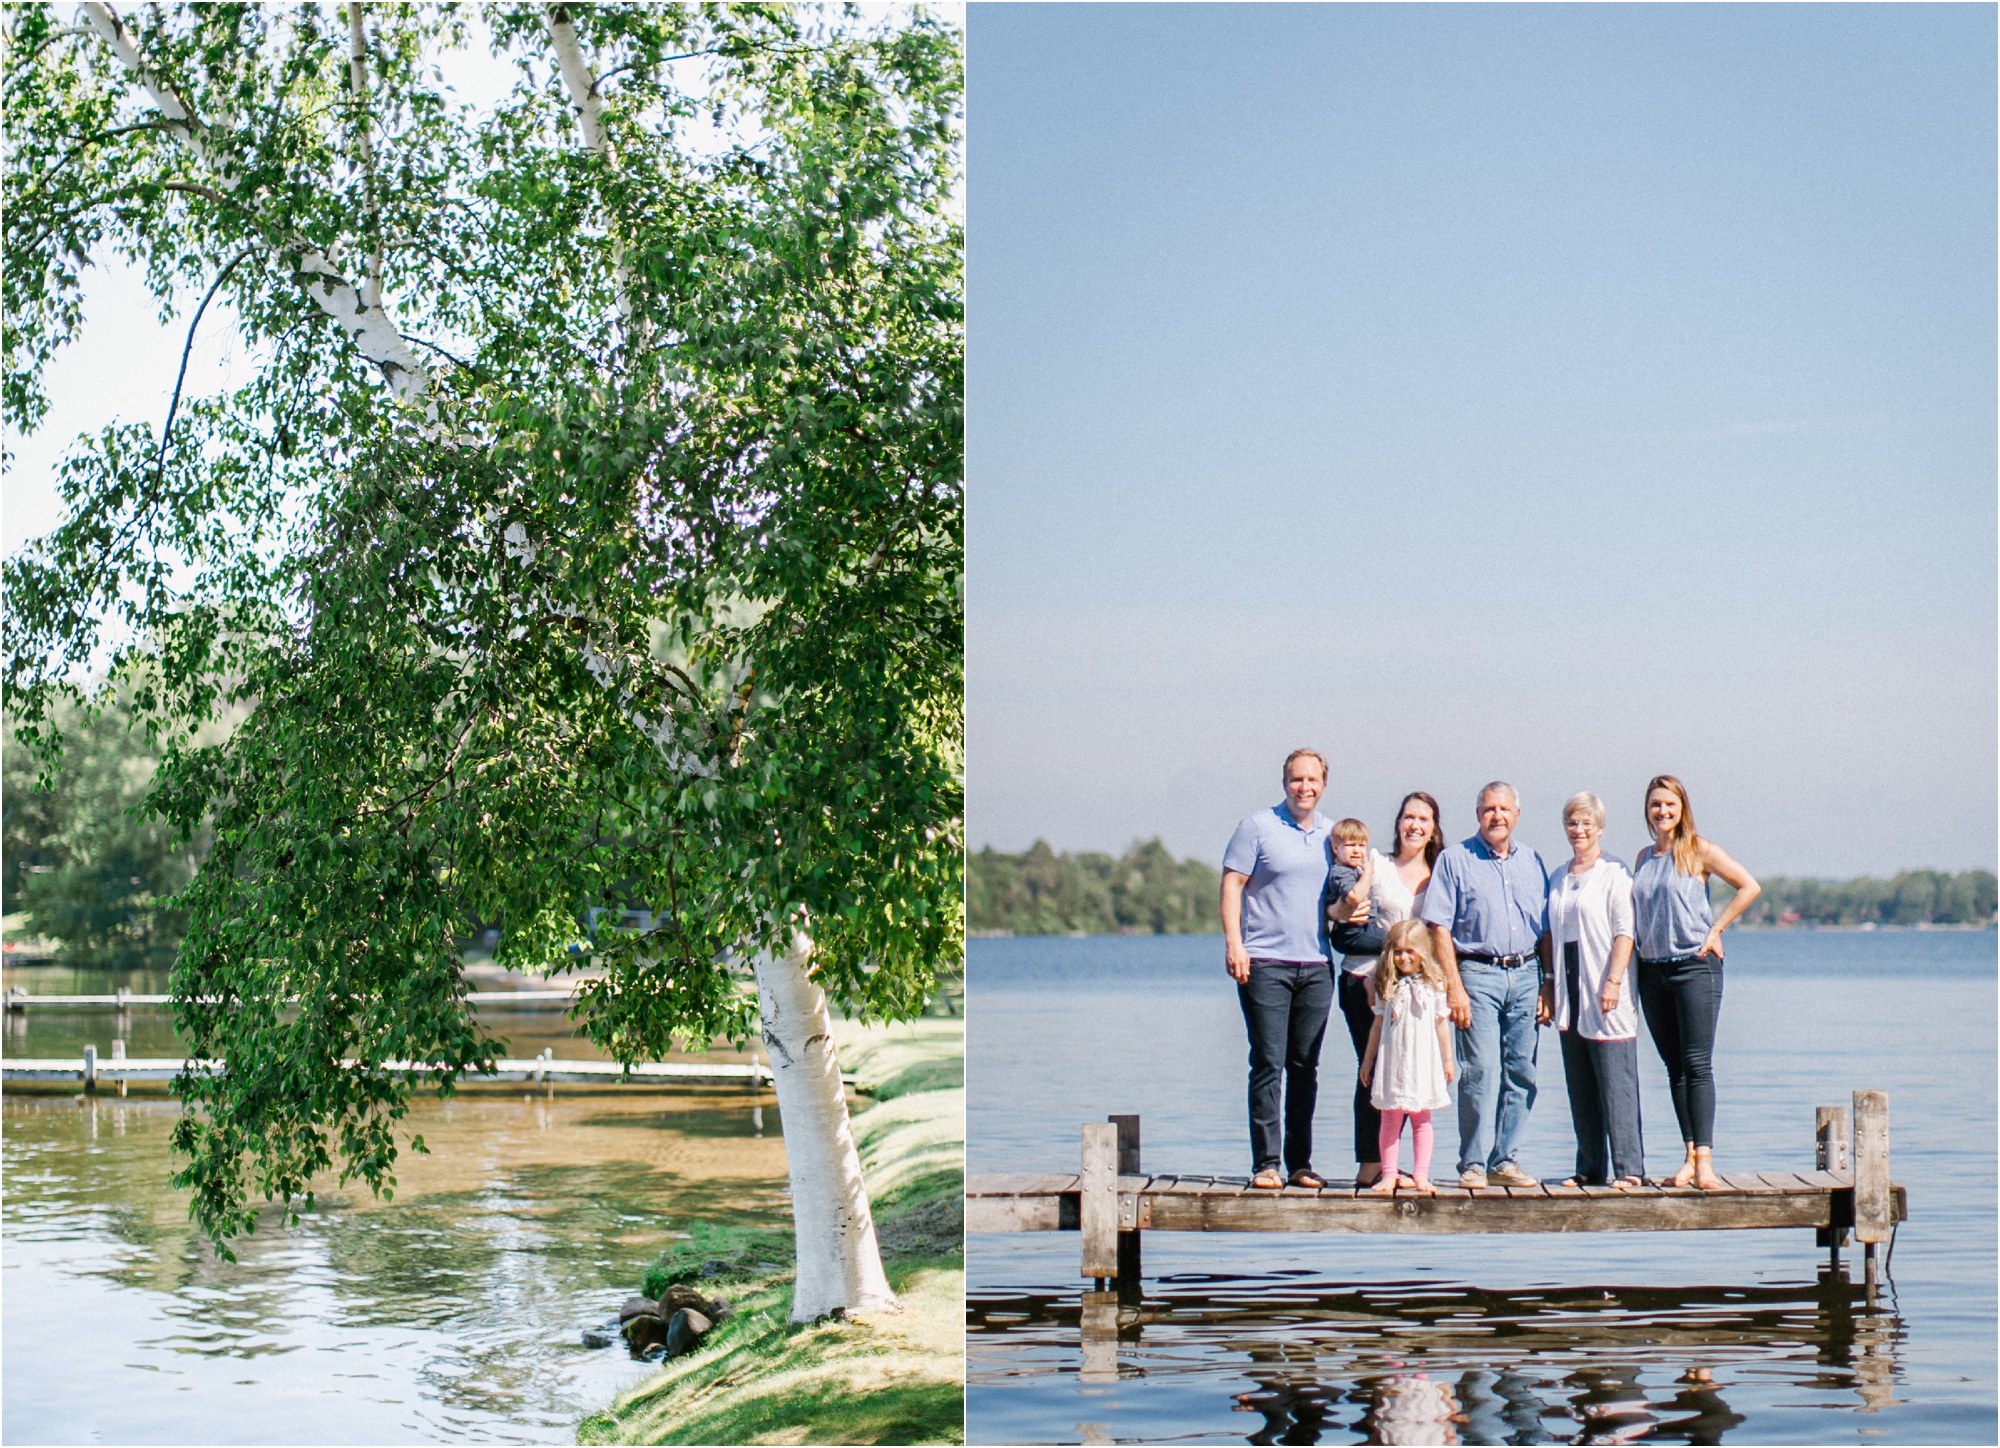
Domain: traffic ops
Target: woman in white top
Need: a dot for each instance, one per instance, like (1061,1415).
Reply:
(1590,927)
(1390,889)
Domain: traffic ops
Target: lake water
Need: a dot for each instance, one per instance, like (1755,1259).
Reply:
(1714,1337)
(448,1315)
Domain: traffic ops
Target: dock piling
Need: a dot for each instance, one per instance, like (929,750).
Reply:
(1128,1237)
(1097,1201)
(1830,1136)
(89,1069)
(1874,1195)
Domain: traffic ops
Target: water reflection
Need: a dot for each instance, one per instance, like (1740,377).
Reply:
(1421,1362)
(451,1313)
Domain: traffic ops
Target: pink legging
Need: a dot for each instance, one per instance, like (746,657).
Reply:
(1420,1142)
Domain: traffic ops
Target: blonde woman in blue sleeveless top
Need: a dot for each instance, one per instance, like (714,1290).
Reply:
(1680,961)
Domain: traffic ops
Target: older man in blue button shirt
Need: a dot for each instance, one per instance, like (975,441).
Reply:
(1276,952)
(1487,908)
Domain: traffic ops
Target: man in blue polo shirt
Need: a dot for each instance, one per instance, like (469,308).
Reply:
(1487,907)
(1272,874)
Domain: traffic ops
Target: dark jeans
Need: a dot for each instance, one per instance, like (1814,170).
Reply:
(1353,993)
(1603,1081)
(1285,1005)
(1681,999)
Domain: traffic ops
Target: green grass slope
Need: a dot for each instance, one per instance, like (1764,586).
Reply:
(892,1378)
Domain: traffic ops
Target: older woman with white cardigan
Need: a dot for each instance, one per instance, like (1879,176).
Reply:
(1591,930)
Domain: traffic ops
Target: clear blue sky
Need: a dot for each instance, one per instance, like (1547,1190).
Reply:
(1562,393)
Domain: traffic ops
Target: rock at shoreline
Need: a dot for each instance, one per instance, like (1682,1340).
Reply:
(685,1332)
(674,1325)
(643,1332)
(675,1298)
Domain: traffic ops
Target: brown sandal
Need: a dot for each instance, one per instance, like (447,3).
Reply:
(1308,1178)
(1268,1180)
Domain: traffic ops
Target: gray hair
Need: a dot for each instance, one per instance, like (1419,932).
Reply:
(1585,803)
(1499,786)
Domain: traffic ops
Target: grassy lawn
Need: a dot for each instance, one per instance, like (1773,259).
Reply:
(892,1378)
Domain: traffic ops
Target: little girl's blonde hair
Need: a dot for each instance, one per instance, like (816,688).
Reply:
(1411,935)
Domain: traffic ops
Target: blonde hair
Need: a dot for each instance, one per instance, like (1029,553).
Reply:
(1411,935)
(1686,844)
(1350,831)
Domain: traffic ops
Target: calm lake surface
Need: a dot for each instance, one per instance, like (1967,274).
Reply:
(1718,1337)
(448,1315)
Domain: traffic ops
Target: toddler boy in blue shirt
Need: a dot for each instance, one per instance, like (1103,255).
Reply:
(1350,875)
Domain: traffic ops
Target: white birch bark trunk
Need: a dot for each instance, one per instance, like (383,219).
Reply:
(839,1264)
(581,83)
(368,327)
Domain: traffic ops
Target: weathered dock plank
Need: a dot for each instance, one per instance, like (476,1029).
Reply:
(992,1208)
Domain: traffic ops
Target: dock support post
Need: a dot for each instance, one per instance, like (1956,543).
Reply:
(1097,1202)
(90,1069)
(1830,1154)
(1874,1196)
(1129,1289)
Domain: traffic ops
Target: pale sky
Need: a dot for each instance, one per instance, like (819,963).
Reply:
(1558,393)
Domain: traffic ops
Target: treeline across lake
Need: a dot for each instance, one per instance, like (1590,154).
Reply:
(1146,891)
(1915,897)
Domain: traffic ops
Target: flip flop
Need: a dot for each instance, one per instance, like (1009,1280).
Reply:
(1306,1177)
(1268,1180)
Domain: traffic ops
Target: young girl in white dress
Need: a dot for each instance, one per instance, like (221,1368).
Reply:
(1411,1061)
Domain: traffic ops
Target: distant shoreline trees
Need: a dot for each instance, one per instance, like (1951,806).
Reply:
(1143,892)
(1914,897)
(1146,891)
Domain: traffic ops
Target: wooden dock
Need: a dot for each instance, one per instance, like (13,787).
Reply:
(1111,1203)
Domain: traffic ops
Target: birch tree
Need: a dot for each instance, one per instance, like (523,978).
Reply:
(587,536)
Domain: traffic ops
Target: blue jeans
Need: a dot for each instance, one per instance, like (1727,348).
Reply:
(1681,998)
(1496,1062)
(1285,1005)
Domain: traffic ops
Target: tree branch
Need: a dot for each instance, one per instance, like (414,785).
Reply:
(74,151)
(589,110)
(367,327)
(160,467)
(357,74)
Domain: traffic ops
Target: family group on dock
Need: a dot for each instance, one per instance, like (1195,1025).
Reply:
(1451,958)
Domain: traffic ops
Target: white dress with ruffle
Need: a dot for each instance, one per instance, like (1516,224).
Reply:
(1409,1066)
